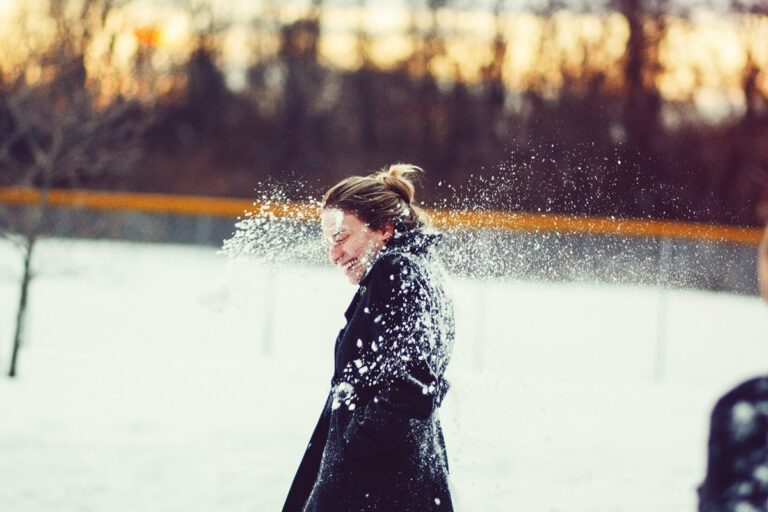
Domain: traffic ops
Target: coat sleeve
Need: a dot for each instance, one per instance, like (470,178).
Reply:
(310,464)
(399,368)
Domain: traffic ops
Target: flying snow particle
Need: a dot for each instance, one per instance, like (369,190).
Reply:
(743,506)
(742,420)
(761,474)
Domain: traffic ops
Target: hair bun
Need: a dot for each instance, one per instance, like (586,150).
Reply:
(378,198)
(397,178)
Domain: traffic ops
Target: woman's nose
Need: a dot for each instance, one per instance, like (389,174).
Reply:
(335,253)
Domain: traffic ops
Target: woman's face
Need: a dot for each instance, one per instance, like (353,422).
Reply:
(352,244)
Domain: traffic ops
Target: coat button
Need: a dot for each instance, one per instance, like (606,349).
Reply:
(362,290)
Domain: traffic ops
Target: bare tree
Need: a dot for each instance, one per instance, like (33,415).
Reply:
(493,72)
(746,162)
(58,131)
(647,24)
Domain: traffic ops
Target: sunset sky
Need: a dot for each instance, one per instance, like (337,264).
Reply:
(703,58)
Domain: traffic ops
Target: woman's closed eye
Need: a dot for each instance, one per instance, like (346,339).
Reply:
(334,242)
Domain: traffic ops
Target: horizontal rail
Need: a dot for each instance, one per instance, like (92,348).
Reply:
(156,203)
(217,206)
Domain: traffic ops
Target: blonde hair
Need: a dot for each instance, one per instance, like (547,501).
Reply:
(382,198)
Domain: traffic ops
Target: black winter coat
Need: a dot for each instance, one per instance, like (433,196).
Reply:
(378,445)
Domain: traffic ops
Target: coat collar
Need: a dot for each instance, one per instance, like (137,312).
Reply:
(413,241)
(353,304)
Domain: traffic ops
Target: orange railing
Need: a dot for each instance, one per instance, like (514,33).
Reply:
(217,206)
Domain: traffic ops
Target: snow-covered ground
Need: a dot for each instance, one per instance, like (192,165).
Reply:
(167,378)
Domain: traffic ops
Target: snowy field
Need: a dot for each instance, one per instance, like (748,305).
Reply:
(166,378)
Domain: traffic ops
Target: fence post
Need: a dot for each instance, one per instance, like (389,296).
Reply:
(203,229)
(661,334)
(662,307)
(270,294)
(479,342)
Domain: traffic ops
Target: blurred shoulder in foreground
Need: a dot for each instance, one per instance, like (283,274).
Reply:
(737,462)
(762,264)
(737,456)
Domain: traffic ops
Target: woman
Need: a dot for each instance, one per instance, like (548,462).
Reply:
(379,445)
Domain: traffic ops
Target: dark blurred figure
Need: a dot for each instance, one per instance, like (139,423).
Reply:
(737,462)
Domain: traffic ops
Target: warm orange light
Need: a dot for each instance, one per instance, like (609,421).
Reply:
(703,58)
(147,35)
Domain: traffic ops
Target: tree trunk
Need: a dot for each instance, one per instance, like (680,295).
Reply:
(21,313)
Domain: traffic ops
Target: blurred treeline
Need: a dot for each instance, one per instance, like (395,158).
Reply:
(585,130)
